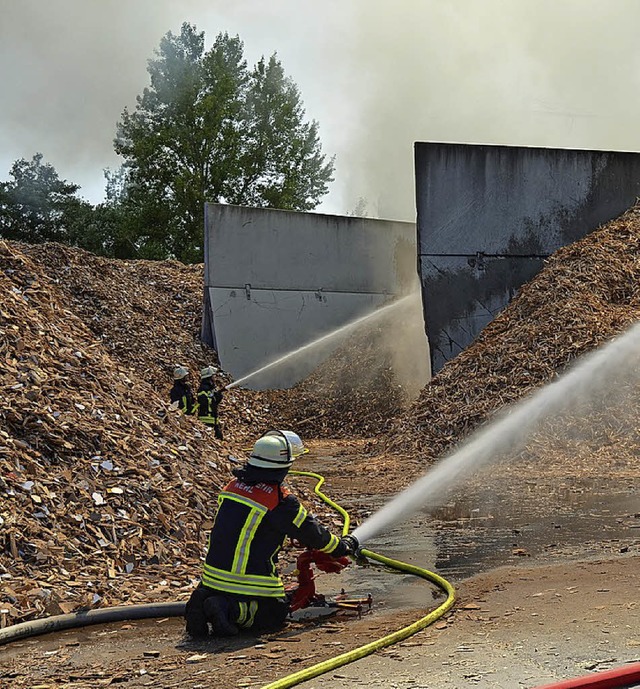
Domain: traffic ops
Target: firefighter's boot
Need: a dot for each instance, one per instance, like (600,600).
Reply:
(220,613)
(196,621)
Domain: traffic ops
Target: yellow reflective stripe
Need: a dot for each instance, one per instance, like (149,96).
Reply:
(300,517)
(241,556)
(231,577)
(242,617)
(244,501)
(274,555)
(243,590)
(247,615)
(253,609)
(331,545)
(251,524)
(207,418)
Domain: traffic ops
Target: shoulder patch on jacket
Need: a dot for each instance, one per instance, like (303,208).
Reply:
(263,493)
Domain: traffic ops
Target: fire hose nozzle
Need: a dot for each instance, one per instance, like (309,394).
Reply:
(352,544)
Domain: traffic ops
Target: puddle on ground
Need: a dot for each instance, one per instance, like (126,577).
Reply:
(540,524)
(487,528)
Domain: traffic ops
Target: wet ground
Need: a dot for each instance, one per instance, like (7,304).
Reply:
(590,519)
(565,529)
(469,536)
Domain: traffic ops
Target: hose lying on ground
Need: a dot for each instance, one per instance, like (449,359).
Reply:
(84,618)
(136,612)
(394,637)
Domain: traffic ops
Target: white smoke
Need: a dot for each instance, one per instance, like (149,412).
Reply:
(376,75)
(525,72)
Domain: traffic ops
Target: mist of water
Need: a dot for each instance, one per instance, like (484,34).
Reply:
(592,376)
(334,334)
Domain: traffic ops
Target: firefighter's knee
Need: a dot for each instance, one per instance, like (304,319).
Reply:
(222,614)
(270,614)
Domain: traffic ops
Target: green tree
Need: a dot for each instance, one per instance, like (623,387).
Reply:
(209,129)
(38,206)
(116,218)
(282,165)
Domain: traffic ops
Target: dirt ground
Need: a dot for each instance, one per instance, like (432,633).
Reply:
(545,595)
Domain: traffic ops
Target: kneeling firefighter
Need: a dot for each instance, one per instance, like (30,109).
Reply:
(240,587)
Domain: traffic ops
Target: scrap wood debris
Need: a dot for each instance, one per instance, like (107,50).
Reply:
(587,293)
(335,401)
(120,302)
(147,315)
(100,479)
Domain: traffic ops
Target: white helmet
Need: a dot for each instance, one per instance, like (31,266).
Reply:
(295,442)
(271,452)
(180,372)
(208,371)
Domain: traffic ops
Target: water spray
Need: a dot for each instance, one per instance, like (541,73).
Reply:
(509,431)
(321,340)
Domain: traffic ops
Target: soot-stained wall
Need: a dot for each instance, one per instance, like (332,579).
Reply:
(277,280)
(488,216)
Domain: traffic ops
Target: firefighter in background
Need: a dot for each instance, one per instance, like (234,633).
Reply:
(208,400)
(181,393)
(240,587)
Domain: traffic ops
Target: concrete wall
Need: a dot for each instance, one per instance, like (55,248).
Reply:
(488,216)
(277,280)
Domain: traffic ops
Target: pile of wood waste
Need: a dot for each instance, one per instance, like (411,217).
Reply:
(587,293)
(147,316)
(106,492)
(343,396)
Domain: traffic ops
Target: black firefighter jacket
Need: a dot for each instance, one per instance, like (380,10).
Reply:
(251,526)
(208,400)
(181,393)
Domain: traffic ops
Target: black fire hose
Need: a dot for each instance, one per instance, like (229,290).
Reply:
(118,613)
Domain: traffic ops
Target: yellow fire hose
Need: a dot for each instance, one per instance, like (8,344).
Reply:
(389,639)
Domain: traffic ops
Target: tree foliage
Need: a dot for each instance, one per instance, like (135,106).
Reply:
(208,128)
(36,205)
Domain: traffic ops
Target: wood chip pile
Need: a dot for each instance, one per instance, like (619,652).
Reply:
(587,293)
(106,493)
(147,315)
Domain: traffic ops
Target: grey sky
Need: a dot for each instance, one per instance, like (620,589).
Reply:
(376,75)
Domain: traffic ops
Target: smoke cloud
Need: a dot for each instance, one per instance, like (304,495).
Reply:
(67,70)
(377,76)
(530,72)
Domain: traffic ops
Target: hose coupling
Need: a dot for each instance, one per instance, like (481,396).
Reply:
(352,544)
